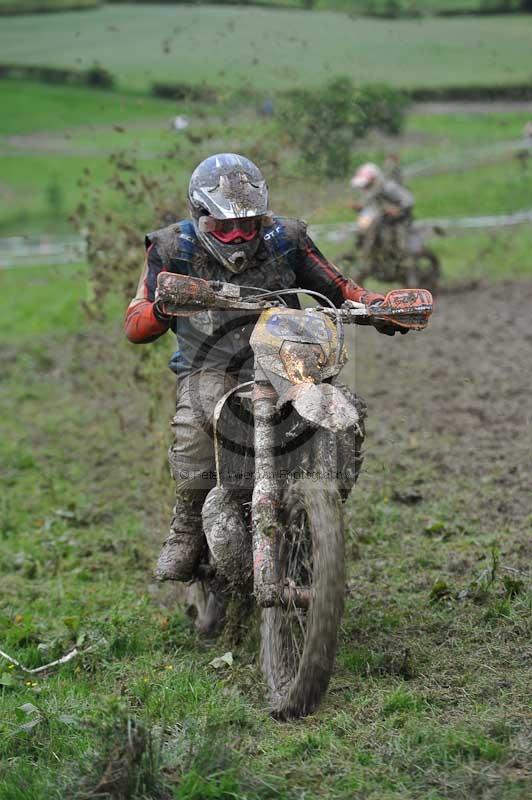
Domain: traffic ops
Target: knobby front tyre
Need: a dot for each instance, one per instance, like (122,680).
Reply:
(298,646)
(427,270)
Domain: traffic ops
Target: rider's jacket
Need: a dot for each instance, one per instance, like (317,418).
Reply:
(391,193)
(286,258)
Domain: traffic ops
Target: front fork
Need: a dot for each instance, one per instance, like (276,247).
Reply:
(266,499)
(268,585)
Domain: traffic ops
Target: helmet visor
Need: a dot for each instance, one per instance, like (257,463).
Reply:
(229,231)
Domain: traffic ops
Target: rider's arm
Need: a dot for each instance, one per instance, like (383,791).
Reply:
(315,272)
(399,197)
(144,322)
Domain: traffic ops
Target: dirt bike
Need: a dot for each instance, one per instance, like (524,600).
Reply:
(287,452)
(385,257)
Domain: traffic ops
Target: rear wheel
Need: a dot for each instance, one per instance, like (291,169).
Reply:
(426,270)
(298,644)
(206,608)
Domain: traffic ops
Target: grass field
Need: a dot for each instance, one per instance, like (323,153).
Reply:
(268,50)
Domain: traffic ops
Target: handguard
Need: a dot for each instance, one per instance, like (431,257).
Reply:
(181,295)
(405,308)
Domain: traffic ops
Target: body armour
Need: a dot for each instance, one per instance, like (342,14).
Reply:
(219,339)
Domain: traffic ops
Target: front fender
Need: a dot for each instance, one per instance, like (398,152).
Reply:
(322,404)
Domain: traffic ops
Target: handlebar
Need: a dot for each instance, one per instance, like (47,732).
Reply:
(182,295)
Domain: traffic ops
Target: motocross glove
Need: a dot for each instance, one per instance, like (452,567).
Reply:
(388,328)
(385,327)
(381,326)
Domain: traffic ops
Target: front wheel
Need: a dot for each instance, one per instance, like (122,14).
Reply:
(298,644)
(426,270)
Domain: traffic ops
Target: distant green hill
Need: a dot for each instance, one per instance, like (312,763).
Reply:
(266,50)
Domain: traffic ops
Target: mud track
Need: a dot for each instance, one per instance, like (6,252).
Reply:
(453,404)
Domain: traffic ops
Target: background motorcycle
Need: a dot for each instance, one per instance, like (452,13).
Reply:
(386,255)
(287,449)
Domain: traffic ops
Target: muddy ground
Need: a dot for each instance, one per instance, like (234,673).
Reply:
(454,403)
(430,692)
(449,412)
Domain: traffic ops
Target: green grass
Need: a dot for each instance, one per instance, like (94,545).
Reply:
(56,290)
(486,255)
(69,130)
(490,255)
(466,129)
(430,694)
(442,137)
(75,129)
(501,188)
(412,711)
(228,47)
(32,107)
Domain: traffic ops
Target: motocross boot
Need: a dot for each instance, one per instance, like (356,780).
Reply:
(210,624)
(182,549)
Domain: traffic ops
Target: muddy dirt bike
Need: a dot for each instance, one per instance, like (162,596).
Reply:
(382,255)
(287,452)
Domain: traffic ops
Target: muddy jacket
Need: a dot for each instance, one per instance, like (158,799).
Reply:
(393,194)
(286,258)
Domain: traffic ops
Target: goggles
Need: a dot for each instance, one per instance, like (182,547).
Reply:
(228,230)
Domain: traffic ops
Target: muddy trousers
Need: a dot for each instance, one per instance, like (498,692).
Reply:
(192,464)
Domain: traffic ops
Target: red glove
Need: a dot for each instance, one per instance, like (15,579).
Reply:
(369,298)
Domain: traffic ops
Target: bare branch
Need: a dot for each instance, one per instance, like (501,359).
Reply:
(45,667)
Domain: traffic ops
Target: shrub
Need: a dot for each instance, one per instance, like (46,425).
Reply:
(184,91)
(516,91)
(45,6)
(99,77)
(384,108)
(326,124)
(115,233)
(96,76)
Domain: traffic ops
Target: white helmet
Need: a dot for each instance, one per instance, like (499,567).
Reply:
(368,176)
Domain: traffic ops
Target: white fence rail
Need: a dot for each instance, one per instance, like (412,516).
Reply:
(23,251)
(467,158)
(40,250)
(337,232)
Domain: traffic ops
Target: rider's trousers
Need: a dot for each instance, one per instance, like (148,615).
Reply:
(192,460)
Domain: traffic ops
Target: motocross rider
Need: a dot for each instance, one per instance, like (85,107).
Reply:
(231,236)
(394,201)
